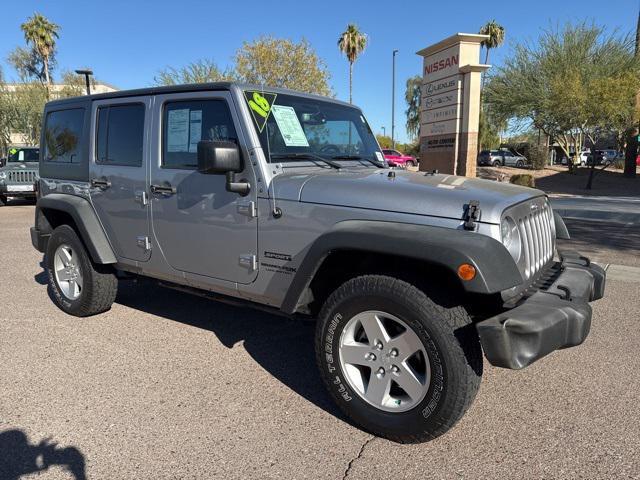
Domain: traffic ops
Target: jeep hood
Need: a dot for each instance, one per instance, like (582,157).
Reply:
(20,166)
(416,193)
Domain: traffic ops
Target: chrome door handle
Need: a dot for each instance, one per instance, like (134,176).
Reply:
(166,189)
(102,184)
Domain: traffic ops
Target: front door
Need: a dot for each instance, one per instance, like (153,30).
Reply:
(118,173)
(200,227)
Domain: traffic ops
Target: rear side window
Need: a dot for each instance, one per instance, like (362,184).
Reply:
(120,135)
(185,123)
(62,136)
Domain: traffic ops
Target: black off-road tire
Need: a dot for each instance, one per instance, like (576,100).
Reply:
(100,284)
(449,337)
(519,164)
(497,163)
(3,200)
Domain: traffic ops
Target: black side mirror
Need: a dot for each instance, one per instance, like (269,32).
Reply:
(218,157)
(215,158)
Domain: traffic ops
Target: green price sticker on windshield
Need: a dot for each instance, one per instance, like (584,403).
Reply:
(13,151)
(260,105)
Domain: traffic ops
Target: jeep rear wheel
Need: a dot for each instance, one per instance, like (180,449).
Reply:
(78,286)
(398,364)
(3,200)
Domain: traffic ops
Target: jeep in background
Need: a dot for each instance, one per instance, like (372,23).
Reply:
(19,173)
(283,201)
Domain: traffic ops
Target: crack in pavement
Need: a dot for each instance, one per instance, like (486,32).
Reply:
(351,462)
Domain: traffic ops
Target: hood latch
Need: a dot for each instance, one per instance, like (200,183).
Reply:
(472,215)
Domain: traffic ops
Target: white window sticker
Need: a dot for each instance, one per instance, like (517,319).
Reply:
(195,129)
(379,157)
(289,126)
(178,130)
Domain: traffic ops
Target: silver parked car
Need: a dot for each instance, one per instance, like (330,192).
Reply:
(282,201)
(497,158)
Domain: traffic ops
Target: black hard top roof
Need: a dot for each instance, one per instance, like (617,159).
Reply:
(192,87)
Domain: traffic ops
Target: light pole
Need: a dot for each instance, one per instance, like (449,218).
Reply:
(87,74)
(393,100)
(384,131)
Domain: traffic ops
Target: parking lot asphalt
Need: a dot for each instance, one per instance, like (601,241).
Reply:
(167,385)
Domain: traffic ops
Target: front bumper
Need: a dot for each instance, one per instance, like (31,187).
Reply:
(557,315)
(17,190)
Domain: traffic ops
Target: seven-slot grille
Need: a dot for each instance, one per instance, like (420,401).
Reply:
(22,176)
(538,237)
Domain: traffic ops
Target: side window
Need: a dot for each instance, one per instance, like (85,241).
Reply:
(62,135)
(120,135)
(185,123)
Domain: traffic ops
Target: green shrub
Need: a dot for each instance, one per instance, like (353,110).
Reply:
(538,156)
(523,179)
(619,164)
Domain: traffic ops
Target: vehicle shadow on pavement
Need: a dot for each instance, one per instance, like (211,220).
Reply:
(283,347)
(18,457)
(590,238)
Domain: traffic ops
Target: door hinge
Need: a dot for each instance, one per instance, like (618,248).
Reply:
(143,242)
(248,209)
(249,261)
(141,197)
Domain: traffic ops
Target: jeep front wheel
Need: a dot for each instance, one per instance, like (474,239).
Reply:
(397,363)
(78,286)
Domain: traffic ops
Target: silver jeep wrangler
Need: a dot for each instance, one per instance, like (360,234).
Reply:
(282,200)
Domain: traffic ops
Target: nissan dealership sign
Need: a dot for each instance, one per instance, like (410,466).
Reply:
(450,104)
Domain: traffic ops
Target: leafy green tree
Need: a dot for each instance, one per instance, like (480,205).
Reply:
(28,64)
(200,71)
(573,84)
(282,63)
(488,131)
(352,43)
(41,35)
(413,97)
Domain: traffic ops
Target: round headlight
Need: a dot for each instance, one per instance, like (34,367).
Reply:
(3,174)
(511,237)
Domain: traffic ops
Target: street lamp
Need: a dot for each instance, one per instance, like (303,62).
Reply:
(87,74)
(384,131)
(393,100)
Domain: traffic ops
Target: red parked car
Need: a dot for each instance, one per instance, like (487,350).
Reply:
(396,159)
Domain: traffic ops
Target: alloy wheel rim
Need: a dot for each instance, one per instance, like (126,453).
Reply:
(384,361)
(67,272)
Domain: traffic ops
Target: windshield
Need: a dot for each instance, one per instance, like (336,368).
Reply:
(298,128)
(23,155)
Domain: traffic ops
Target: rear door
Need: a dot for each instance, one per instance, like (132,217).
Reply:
(118,173)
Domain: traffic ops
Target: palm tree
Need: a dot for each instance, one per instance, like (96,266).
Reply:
(496,37)
(352,43)
(41,34)
(638,37)
(412,96)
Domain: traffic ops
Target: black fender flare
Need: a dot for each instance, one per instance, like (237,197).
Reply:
(496,269)
(86,221)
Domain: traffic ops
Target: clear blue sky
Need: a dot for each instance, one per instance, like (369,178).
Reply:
(127,42)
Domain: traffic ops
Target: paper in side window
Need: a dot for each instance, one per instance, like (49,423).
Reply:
(178,130)
(195,129)
(289,125)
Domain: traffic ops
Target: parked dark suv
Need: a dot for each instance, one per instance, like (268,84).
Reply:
(19,174)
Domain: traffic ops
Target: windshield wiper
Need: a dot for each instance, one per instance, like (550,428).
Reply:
(355,157)
(311,156)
